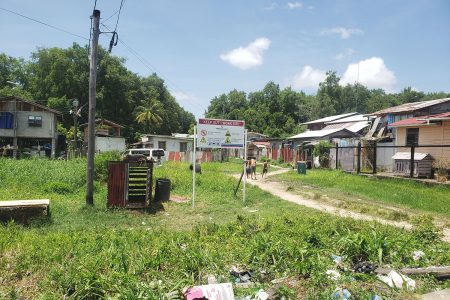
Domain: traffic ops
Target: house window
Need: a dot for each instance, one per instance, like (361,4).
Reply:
(162,145)
(183,146)
(412,136)
(35,121)
(6,120)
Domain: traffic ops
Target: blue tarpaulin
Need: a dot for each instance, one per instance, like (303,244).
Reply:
(6,120)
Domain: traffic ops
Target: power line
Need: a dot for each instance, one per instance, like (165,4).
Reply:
(43,23)
(118,16)
(149,66)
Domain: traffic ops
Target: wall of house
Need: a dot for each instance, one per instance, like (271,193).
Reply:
(171,144)
(103,144)
(428,135)
(47,130)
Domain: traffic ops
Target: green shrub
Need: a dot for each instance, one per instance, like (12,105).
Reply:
(424,229)
(58,187)
(101,164)
(322,150)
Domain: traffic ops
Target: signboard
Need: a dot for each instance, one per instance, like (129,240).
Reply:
(213,133)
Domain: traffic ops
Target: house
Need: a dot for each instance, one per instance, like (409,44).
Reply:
(345,126)
(386,135)
(381,128)
(255,136)
(108,136)
(27,126)
(344,129)
(425,130)
(171,143)
(321,123)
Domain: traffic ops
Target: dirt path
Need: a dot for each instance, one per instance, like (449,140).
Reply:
(279,190)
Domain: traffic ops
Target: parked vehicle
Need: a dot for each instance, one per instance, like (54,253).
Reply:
(155,155)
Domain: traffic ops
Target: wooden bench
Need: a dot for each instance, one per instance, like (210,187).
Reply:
(22,211)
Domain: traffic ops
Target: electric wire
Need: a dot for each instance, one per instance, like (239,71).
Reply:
(150,67)
(43,23)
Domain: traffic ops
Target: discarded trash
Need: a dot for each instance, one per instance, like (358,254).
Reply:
(397,280)
(364,267)
(376,297)
(333,274)
(211,279)
(337,259)
(339,293)
(261,295)
(417,255)
(222,291)
(241,276)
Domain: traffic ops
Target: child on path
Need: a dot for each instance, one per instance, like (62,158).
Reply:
(265,168)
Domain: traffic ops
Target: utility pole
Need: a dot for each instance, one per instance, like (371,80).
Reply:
(92,103)
(75,125)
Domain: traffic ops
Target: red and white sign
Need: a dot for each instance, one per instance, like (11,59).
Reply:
(216,133)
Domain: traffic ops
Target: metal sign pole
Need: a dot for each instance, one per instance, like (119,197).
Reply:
(245,165)
(194,156)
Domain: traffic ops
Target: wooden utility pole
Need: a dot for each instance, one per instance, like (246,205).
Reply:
(92,103)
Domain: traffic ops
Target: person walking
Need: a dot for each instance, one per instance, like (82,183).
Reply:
(247,168)
(253,168)
(265,168)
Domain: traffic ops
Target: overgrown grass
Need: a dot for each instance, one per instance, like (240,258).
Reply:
(92,253)
(410,194)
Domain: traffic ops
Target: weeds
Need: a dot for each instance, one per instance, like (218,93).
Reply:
(91,252)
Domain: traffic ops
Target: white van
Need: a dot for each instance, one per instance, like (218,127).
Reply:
(156,155)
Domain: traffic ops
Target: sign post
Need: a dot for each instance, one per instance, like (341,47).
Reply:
(218,134)
(194,162)
(245,165)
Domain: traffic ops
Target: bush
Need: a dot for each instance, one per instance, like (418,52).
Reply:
(322,150)
(58,187)
(424,229)
(101,164)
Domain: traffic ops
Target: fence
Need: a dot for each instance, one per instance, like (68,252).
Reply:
(411,161)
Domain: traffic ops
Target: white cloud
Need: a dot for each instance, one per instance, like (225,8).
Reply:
(294,5)
(344,54)
(249,56)
(180,96)
(373,73)
(271,6)
(345,33)
(308,78)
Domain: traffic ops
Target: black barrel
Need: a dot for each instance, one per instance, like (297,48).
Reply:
(162,189)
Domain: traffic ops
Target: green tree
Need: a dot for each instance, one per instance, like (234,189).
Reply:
(150,114)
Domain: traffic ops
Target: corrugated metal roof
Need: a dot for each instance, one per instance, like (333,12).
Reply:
(354,118)
(421,120)
(352,126)
(330,118)
(407,155)
(316,133)
(412,106)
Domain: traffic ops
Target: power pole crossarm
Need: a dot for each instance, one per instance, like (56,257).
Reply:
(92,104)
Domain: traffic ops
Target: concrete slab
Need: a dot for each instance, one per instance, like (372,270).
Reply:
(437,295)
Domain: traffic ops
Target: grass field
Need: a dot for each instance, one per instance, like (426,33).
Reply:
(95,253)
(409,194)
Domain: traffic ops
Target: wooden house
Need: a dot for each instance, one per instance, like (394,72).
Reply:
(431,130)
(107,136)
(25,124)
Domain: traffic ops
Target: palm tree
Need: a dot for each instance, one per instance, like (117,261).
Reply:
(150,113)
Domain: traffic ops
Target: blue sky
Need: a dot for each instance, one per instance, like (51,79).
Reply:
(205,48)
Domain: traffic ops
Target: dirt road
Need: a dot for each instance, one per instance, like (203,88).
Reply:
(279,190)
